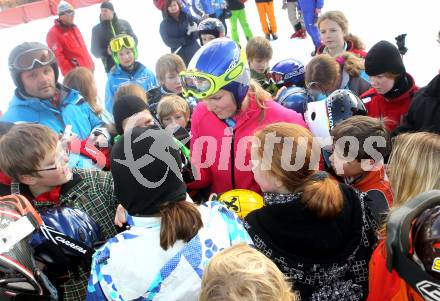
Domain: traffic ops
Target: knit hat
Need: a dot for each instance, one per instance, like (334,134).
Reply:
(384,57)
(21,49)
(125,107)
(64,7)
(108,5)
(145,165)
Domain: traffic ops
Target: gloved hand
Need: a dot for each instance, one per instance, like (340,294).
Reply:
(191,28)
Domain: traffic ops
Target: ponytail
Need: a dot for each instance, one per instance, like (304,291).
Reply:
(179,221)
(322,195)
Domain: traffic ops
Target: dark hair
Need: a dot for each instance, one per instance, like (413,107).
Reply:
(179,221)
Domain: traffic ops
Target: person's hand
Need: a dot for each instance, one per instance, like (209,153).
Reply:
(317,11)
(120,217)
(191,28)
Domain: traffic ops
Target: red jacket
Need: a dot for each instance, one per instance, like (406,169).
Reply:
(386,286)
(68,45)
(205,126)
(394,110)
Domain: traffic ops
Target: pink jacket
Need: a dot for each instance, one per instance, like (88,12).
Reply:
(211,140)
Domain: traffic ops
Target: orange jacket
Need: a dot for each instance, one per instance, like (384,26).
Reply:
(386,286)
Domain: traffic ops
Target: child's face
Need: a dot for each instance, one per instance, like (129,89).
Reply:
(264,178)
(259,65)
(53,170)
(175,119)
(332,34)
(172,82)
(141,119)
(382,83)
(126,57)
(343,166)
(173,8)
(206,38)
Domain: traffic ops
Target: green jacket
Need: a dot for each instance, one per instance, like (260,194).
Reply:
(267,84)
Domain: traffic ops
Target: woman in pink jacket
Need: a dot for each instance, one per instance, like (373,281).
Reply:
(222,125)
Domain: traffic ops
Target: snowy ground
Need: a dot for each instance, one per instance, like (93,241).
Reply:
(372,20)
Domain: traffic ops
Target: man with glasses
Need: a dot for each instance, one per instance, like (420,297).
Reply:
(39,98)
(66,41)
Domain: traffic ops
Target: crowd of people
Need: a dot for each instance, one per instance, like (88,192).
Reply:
(122,200)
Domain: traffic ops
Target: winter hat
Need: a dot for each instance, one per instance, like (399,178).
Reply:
(125,107)
(108,5)
(19,50)
(64,7)
(384,57)
(146,170)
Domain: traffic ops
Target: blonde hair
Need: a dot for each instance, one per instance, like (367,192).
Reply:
(414,165)
(131,90)
(82,80)
(339,18)
(24,147)
(171,104)
(241,273)
(259,48)
(320,195)
(326,70)
(168,63)
(260,96)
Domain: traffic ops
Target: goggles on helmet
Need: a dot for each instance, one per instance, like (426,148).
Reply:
(29,59)
(277,77)
(125,41)
(201,85)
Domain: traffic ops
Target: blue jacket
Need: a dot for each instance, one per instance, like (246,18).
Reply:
(213,7)
(310,5)
(73,110)
(119,77)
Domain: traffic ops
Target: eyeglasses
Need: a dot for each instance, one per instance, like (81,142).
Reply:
(124,41)
(201,85)
(61,153)
(27,60)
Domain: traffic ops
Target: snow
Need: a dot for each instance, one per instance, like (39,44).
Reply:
(372,20)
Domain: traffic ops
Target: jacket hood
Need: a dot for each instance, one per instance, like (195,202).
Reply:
(433,88)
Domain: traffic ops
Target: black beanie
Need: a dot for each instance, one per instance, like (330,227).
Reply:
(384,57)
(146,170)
(125,107)
(108,5)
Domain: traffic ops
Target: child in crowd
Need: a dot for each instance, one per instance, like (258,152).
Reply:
(180,237)
(311,226)
(32,156)
(413,169)
(365,170)
(174,111)
(130,111)
(327,74)
(168,68)
(392,88)
(132,90)
(210,29)
(259,53)
(241,273)
(127,69)
(336,39)
(82,80)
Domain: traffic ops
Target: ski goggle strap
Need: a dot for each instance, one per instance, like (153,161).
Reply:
(125,41)
(29,59)
(201,85)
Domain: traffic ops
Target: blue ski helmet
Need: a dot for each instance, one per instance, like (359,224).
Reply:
(294,98)
(221,57)
(291,73)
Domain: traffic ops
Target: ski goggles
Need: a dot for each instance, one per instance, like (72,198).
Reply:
(29,59)
(124,41)
(277,77)
(201,85)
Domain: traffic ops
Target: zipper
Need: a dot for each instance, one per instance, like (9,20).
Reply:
(233,159)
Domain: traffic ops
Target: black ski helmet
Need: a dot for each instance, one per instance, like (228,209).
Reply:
(211,26)
(21,49)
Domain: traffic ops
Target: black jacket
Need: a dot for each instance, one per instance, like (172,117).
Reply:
(235,4)
(102,33)
(174,35)
(424,112)
(323,257)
